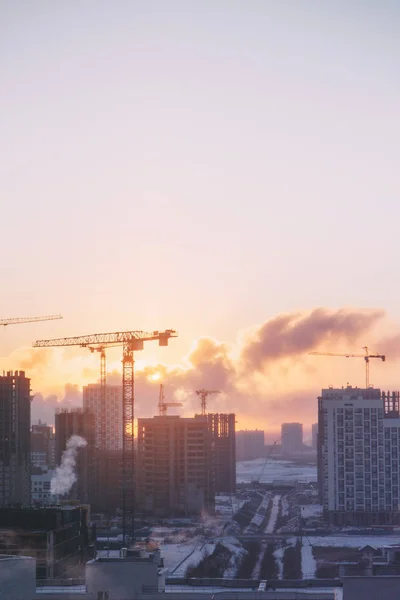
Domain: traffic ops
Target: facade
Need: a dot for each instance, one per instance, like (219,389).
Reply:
(222,429)
(42,446)
(249,444)
(15,421)
(314,436)
(40,488)
(359,456)
(175,466)
(57,537)
(113,413)
(18,577)
(78,422)
(291,437)
(126,576)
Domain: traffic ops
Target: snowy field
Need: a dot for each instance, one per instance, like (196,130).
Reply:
(284,470)
(355,541)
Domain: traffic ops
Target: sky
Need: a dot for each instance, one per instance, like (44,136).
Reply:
(205,166)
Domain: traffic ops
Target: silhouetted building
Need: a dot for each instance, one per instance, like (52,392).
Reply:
(291,438)
(358,456)
(57,537)
(15,421)
(175,466)
(111,437)
(222,429)
(249,444)
(108,482)
(42,446)
(314,436)
(78,422)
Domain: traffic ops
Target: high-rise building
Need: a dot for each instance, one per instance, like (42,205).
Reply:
(78,422)
(292,437)
(222,429)
(314,436)
(359,456)
(42,446)
(15,422)
(249,444)
(175,466)
(113,413)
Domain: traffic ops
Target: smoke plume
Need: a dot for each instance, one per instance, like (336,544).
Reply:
(293,334)
(65,475)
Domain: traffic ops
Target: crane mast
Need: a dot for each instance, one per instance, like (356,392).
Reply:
(131,341)
(162,405)
(203,395)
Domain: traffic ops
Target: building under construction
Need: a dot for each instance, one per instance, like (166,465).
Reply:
(15,421)
(175,472)
(222,429)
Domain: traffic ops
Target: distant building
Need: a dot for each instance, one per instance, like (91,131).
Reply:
(15,421)
(42,446)
(314,434)
(78,422)
(175,466)
(249,444)
(57,537)
(222,429)
(111,437)
(358,456)
(291,438)
(41,488)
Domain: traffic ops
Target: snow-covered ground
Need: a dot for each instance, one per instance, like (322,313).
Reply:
(311,510)
(270,528)
(194,556)
(354,541)
(283,470)
(308,563)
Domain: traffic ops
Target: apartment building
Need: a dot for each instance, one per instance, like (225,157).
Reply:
(111,438)
(78,422)
(15,421)
(175,466)
(291,437)
(359,456)
(249,444)
(42,446)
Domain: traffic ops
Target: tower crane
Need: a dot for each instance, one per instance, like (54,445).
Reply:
(367,356)
(163,406)
(131,341)
(203,395)
(19,320)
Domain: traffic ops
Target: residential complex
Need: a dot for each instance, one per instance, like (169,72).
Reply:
(249,444)
(92,401)
(359,455)
(291,437)
(15,421)
(175,466)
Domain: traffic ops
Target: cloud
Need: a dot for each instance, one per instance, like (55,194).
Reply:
(293,334)
(266,378)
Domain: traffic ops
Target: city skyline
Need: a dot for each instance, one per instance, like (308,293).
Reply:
(205,167)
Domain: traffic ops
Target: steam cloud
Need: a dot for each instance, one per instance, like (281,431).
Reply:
(292,334)
(65,475)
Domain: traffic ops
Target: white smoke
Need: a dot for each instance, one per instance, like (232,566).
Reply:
(65,476)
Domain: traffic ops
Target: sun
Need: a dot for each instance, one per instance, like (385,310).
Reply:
(155,377)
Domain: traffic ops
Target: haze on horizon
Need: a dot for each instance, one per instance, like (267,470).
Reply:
(209,167)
